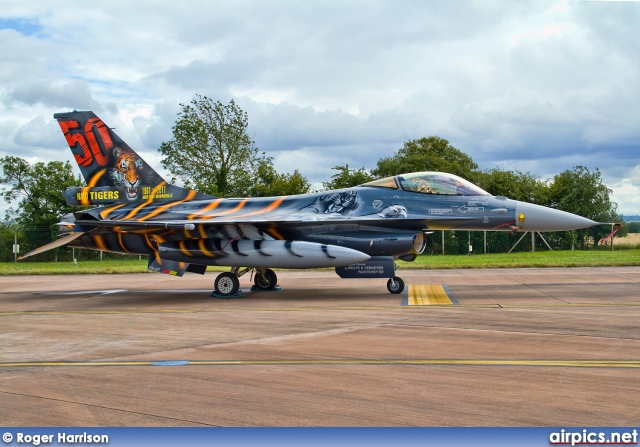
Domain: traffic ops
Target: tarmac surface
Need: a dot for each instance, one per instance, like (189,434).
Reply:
(497,347)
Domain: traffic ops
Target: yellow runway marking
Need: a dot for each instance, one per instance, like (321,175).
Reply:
(427,294)
(381,362)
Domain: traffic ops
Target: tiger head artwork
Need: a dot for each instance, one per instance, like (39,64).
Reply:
(125,173)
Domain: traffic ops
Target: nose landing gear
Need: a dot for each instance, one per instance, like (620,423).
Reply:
(395,285)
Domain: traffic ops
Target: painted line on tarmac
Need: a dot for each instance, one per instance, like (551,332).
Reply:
(308,309)
(84,292)
(219,310)
(110,291)
(380,362)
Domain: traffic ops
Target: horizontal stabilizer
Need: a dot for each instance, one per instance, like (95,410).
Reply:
(105,195)
(55,244)
(93,196)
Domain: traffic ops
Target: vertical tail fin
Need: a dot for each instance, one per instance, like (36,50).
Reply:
(114,172)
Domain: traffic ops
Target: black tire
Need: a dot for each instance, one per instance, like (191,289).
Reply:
(266,281)
(226,284)
(395,285)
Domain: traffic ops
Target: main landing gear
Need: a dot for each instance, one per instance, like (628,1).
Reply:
(227,284)
(265,279)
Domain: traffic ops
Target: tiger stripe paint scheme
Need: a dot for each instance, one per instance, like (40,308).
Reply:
(180,230)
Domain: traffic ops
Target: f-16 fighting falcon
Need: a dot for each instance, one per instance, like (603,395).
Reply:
(360,231)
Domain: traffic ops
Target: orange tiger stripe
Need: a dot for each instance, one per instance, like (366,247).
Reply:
(162,208)
(183,249)
(274,234)
(150,245)
(105,213)
(159,239)
(122,243)
(214,204)
(95,178)
(204,250)
(271,207)
(99,243)
(237,208)
(134,211)
(84,194)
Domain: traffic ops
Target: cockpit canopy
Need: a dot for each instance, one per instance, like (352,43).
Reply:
(430,183)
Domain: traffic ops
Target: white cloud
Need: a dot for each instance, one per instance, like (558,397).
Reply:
(626,191)
(538,86)
(74,94)
(39,134)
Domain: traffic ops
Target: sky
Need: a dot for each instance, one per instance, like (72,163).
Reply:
(538,86)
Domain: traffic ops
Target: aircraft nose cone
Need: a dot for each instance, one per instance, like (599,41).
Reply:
(540,218)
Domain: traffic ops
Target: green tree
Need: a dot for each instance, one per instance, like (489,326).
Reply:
(428,154)
(269,182)
(6,241)
(514,185)
(37,189)
(581,191)
(211,150)
(634,227)
(346,178)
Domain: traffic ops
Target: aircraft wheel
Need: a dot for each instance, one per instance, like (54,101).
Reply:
(266,281)
(395,285)
(226,284)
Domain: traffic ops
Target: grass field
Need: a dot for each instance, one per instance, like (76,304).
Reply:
(589,258)
(132,265)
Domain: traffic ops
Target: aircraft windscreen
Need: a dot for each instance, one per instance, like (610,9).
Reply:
(439,183)
(388,182)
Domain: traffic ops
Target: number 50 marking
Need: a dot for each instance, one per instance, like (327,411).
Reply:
(95,132)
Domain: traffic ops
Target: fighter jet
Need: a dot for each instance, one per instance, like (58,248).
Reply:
(360,231)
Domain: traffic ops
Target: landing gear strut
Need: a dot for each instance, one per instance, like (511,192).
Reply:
(395,283)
